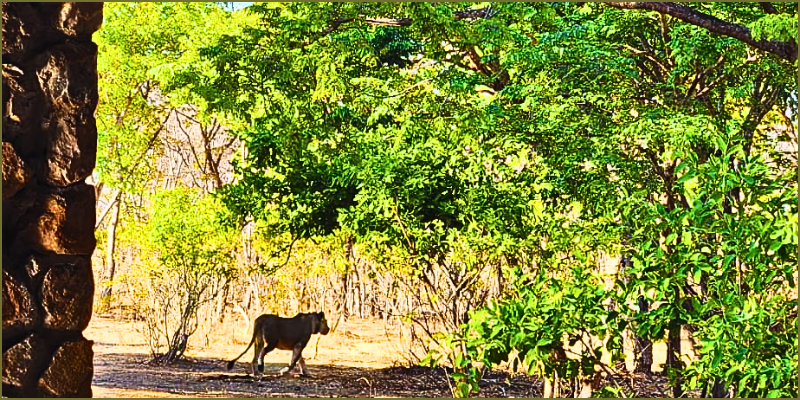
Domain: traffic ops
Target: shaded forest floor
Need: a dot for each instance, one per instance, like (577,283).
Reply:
(357,360)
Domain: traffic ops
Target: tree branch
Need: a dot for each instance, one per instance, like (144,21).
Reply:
(191,145)
(133,168)
(768,7)
(784,50)
(648,55)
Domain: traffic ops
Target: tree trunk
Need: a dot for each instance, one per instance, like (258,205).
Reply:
(673,360)
(110,263)
(98,190)
(346,276)
(351,298)
(644,347)
(500,278)
(552,384)
(213,165)
(624,263)
(551,389)
(674,353)
(361,295)
(586,387)
(222,302)
(255,299)
(719,391)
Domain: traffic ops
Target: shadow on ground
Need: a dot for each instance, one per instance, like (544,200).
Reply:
(205,377)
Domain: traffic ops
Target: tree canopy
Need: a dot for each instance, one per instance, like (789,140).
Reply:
(531,138)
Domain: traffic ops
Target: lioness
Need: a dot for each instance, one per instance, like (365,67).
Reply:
(272,332)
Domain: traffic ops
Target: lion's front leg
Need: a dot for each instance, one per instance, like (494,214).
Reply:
(303,368)
(297,354)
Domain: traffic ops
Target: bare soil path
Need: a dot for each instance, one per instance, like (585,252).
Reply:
(348,364)
(359,359)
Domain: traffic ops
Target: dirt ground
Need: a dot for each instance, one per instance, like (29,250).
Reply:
(359,359)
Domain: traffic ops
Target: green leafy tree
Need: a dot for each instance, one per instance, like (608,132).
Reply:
(454,139)
(141,79)
(193,261)
(141,45)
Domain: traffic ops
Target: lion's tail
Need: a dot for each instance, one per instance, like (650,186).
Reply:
(232,362)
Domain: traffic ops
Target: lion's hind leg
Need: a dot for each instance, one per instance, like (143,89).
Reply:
(257,365)
(269,347)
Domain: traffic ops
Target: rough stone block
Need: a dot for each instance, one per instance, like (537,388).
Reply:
(70,373)
(80,19)
(20,23)
(63,222)
(19,311)
(15,173)
(67,295)
(30,27)
(19,362)
(23,104)
(15,210)
(68,78)
(50,143)
(34,268)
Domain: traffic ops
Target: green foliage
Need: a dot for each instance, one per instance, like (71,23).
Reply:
(532,136)
(142,73)
(775,27)
(186,233)
(402,154)
(589,93)
(544,313)
(194,254)
(741,301)
(608,392)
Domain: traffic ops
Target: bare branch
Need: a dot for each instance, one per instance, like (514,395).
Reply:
(389,21)
(133,168)
(191,146)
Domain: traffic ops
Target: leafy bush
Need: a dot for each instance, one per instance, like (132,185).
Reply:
(191,263)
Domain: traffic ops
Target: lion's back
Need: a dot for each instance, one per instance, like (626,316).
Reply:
(285,331)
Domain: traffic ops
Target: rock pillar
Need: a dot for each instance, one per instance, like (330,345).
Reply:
(49,148)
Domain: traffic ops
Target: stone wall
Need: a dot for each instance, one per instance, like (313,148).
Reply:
(49,147)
